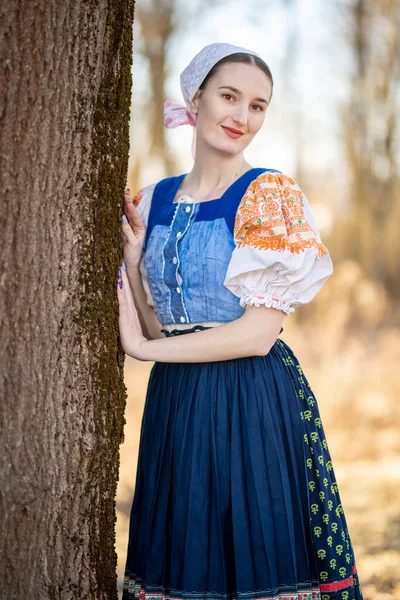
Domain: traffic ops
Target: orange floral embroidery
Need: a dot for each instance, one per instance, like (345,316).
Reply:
(271,216)
(136,199)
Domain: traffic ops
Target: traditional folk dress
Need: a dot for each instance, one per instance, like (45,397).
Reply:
(236,495)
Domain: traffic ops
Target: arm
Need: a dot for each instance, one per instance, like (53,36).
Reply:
(151,326)
(134,225)
(253,334)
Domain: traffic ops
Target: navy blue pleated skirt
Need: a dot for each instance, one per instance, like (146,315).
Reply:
(235,492)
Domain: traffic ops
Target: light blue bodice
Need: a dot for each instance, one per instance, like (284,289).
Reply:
(187,250)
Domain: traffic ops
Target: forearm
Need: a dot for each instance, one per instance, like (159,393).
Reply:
(253,334)
(151,326)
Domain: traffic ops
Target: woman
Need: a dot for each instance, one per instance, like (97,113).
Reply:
(235,491)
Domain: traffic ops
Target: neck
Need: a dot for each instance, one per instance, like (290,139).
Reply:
(213,171)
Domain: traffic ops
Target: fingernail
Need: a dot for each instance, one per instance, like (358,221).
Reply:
(120,284)
(124,219)
(119,273)
(123,265)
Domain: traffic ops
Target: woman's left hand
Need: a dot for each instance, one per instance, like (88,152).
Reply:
(130,330)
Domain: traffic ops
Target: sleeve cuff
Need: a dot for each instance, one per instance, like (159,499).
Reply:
(268,300)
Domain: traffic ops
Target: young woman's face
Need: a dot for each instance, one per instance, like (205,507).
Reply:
(231,109)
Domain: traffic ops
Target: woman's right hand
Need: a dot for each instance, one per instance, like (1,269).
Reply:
(133,233)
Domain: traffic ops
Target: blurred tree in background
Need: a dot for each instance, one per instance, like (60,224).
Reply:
(372,142)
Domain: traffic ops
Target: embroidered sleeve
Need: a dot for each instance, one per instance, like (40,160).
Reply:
(142,200)
(279,259)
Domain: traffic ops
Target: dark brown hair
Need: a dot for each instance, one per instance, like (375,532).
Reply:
(239,57)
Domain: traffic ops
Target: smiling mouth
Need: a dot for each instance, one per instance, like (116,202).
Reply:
(235,131)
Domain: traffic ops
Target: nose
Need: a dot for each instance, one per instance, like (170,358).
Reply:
(240,115)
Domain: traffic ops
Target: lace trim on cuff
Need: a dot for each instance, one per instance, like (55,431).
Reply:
(255,299)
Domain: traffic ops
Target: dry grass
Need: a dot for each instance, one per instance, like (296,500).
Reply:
(348,344)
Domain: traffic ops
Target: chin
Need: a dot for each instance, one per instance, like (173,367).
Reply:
(228,146)
(225,145)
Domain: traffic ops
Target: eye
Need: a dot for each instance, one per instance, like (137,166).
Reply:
(227,96)
(257,106)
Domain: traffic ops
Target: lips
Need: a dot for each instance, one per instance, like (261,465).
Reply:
(232,133)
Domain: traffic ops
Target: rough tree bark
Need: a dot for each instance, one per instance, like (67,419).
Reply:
(65,103)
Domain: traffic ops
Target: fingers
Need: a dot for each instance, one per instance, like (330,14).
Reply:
(127,194)
(124,290)
(127,289)
(133,215)
(126,316)
(127,231)
(131,210)
(129,201)
(122,295)
(120,285)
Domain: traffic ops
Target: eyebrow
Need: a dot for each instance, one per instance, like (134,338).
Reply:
(229,87)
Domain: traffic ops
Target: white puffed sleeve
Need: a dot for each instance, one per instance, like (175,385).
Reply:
(279,260)
(142,201)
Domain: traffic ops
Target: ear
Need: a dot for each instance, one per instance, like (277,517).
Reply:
(194,103)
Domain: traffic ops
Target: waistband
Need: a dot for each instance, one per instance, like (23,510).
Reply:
(168,333)
(207,324)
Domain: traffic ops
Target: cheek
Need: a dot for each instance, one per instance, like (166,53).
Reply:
(255,124)
(215,112)
(208,125)
(206,128)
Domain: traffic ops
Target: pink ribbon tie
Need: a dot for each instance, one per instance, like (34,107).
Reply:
(176,115)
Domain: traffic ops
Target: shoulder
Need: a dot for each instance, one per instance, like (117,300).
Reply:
(264,198)
(273,183)
(275,213)
(273,194)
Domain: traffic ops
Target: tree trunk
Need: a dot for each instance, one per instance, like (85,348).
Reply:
(65,104)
